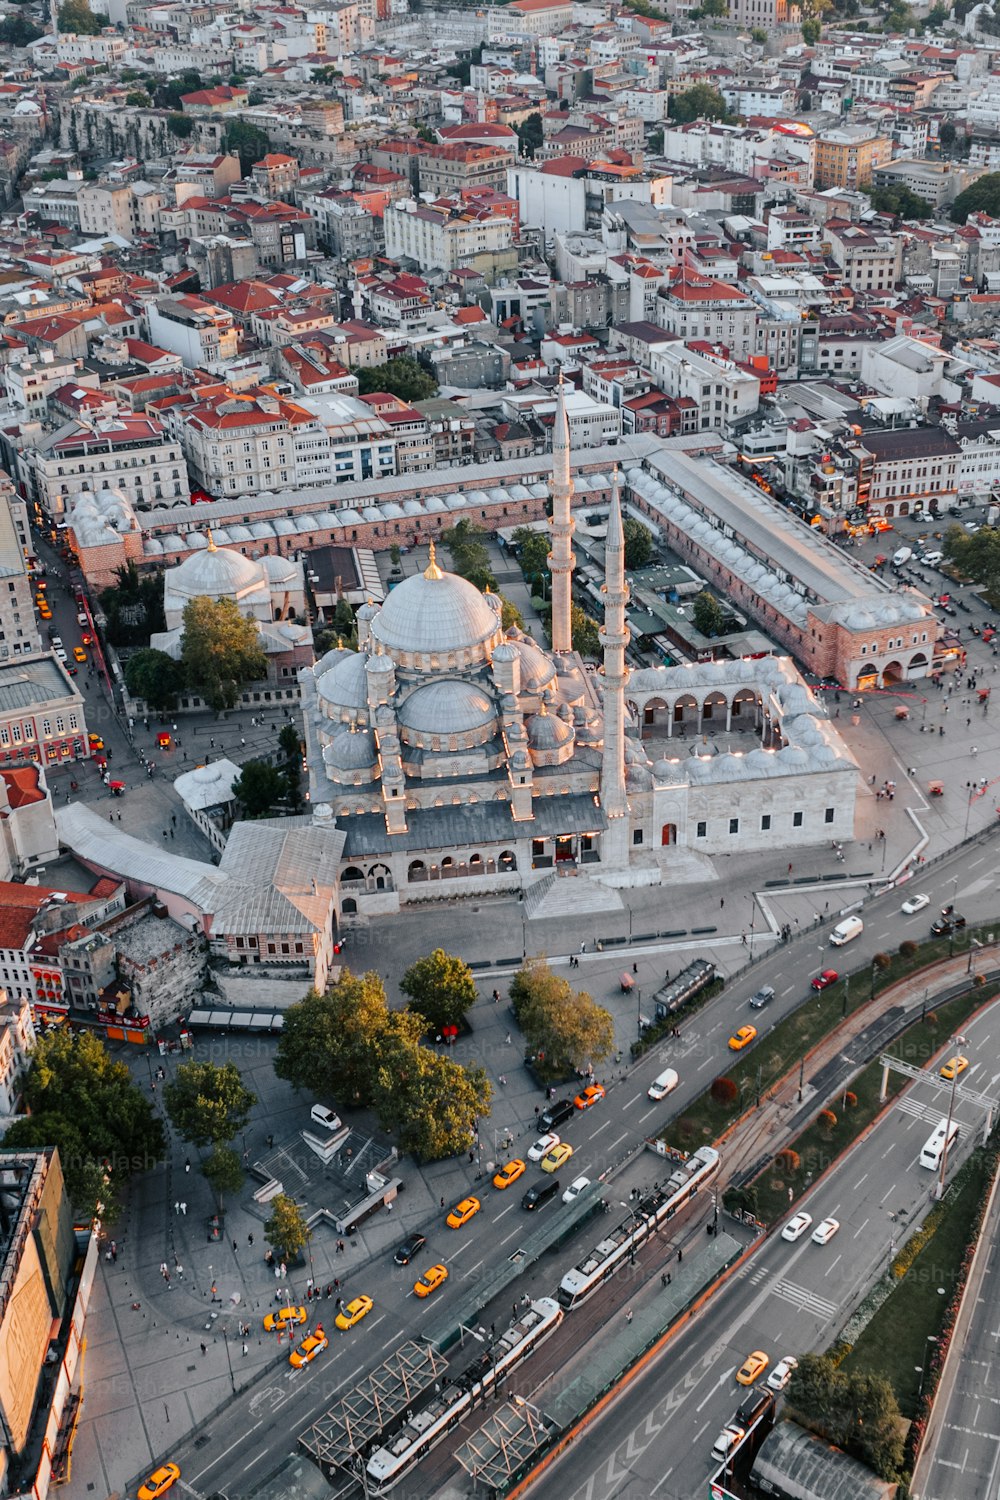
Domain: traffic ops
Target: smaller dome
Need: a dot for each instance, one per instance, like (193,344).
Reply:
(380,665)
(368,610)
(351,751)
(506,651)
(346,685)
(215,573)
(330,659)
(450,706)
(547,732)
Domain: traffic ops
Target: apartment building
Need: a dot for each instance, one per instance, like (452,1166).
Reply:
(868,262)
(56,201)
(722,393)
(447,236)
(846,157)
(202,333)
(241,445)
(108,208)
(129,453)
(451,169)
(903,467)
(18,626)
(693,306)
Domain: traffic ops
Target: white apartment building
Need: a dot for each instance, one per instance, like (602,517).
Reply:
(983,109)
(591,423)
(128,453)
(57,200)
(869,262)
(438,238)
(548,201)
(723,394)
(200,332)
(108,48)
(108,208)
(699,307)
(18,623)
(30,379)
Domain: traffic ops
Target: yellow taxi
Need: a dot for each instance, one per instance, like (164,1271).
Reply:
(590,1096)
(79,654)
(742,1038)
(954,1066)
(44,611)
(554,1159)
(755,1364)
(308,1349)
(430,1281)
(159,1482)
(355,1310)
(95,742)
(285,1317)
(509,1173)
(463,1212)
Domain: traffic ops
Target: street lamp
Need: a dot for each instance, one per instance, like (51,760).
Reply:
(847,991)
(922,1367)
(229,1362)
(974,943)
(638,1013)
(957,1041)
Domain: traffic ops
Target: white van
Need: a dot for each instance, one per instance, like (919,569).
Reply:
(846,931)
(663,1084)
(902,556)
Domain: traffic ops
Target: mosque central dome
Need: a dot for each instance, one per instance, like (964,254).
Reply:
(435,612)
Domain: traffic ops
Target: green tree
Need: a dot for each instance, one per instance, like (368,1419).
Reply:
(84,1102)
(977,556)
(170,91)
(180,125)
(259,786)
(430,1100)
(441,987)
(812,30)
(138,98)
(655,142)
(330,1043)
(76,17)
(948,131)
(463,68)
(155,677)
(510,615)
(700,102)
(586,639)
(401,377)
(902,202)
(758,35)
(133,606)
(208,1103)
(566,1028)
(220,651)
(857,1412)
(469,556)
(287,1231)
(714,9)
(424,133)
(532,553)
(18,31)
(638,543)
(899,17)
(982,196)
(248,141)
(708,616)
(937,16)
(223,1173)
(530,135)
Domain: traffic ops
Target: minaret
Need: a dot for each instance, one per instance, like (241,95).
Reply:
(615,637)
(561,557)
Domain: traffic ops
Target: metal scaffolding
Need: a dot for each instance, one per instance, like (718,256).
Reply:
(500,1448)
(350,1429)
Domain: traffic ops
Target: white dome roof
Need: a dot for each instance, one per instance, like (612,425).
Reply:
(447,707)
(346,683)
(434,612)
(216,572)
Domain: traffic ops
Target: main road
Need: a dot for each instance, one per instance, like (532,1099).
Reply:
(788,1298)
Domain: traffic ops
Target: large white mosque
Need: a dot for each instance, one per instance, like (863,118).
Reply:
(460,759)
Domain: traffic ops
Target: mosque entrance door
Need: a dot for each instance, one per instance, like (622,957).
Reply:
(564,850)
(668,834)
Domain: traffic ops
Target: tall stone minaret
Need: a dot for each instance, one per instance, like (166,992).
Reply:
(615,637)
(561,557)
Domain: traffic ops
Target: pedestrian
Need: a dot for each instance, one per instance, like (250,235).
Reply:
(722,902)
(284,1270)
(388,1206)
(270,1142)
(496,997)
(789,869)
(184,1209)
(163,1268)
(235,1248)
(628,1315)
(635,968)
(442,1203)
(249,1239)
(204,1349)
(187,1165)
(680,1254)
(507,1039)
(583,947)
(177,1206)
(503,1080)
(743,939)
(114,1252)
(246,1351)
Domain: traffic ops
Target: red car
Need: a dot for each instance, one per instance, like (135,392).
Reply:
(824,980)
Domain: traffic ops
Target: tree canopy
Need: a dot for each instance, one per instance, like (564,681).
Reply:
(155,677)
(902,202)
(563,1027)
(220,651)
(586,639)
(133,606)
(18,31)
(530,134)
(469,557)
(286,1229)
(76,17)
(208,1103)
(700,102)
(976,556)
(812,30)
(533,549)
(259,786)
(85,1103)
(248,141)
(708,616)
(223,1172)
(402,377)
(441,987)
(638,543)
(429,1100)
(982,196)
(856,1411)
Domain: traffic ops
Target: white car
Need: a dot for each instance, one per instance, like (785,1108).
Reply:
(60,654)
(824,1233)
(322,1115)
(933,558)
(915,903)
(796,1227)
(575,1188)
(543,1146)
(726,1441)
(81,618)
(782,1372)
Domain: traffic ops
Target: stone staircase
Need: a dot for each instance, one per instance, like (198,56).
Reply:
(570,895)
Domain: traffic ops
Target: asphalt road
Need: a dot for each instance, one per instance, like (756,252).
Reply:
(788,1298)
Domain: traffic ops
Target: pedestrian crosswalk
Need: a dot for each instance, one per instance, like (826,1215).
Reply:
(931,1113)
(798,1296)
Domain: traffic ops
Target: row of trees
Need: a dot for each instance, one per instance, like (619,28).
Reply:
(565,1029)
(220,651)
(348,1045)
(471,561)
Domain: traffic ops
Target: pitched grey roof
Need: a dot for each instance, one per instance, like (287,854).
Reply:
(465,827)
